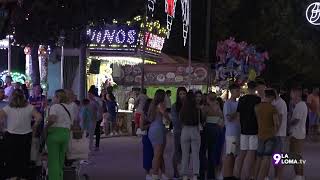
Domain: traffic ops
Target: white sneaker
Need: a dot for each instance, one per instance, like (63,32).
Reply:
(155,177)
(116,134)
(299,178)
(148,177)
(111,134)
(185,178)
(164,177)
(139,132)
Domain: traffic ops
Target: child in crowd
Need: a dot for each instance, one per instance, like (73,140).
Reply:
(87,123)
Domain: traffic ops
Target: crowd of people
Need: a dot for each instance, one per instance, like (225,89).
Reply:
(231,140)
(33,125)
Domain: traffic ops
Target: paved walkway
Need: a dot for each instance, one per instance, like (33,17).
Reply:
(121,159)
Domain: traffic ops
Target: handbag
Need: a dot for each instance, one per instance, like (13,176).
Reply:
(77,132)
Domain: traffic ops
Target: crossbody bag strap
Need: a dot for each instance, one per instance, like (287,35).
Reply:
(67,111)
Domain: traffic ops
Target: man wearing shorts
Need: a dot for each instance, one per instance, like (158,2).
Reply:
(297,129)
(249,132)
(281,135)
(232,125)
(268,124)
(139,105)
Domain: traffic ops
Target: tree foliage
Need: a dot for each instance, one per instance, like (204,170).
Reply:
(280,27)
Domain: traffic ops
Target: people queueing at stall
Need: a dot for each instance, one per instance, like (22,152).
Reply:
(227,140)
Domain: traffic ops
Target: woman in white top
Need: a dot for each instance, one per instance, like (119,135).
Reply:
(58,125)
(18,136)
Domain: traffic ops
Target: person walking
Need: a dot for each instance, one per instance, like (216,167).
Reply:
(86,122)
(147,146)
(157,133)
(214,132)
(177,128)
(139,105)
(297,130)
(8,87)
(232,125)
(249,132)
(18,136)
(93,108)
(58,128)
(281,135)
(190,136)
(313,103)
(268,123)
(112,110)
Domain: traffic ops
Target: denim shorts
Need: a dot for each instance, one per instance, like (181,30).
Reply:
(267,147)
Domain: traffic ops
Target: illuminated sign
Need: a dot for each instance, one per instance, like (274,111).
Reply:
(4,43)
(154,41)
(313,13)
(113,36)
(118,37)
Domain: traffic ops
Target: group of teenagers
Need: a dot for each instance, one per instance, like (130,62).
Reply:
(27,126)
(227,140)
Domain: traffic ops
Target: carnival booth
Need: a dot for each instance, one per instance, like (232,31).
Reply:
(117,45)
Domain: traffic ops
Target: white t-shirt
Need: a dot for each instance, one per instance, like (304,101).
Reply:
(75,111)
(141,101)
(63,119)
(281,107)
(300,112)
(8,91)
(19,119)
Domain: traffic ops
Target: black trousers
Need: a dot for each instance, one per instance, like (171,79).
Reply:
(17,151)
(98,133)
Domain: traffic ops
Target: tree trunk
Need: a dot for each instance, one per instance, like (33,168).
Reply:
(35,74)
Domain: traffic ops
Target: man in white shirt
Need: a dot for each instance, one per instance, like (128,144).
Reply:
(282,110)
(297,126)
(9,88)
(139,105)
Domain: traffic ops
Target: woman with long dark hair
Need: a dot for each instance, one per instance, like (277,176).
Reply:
(190,136)
(157,132)
(18,136)
(212,112)
(177,128)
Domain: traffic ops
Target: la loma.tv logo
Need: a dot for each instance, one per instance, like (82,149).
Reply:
(284,159)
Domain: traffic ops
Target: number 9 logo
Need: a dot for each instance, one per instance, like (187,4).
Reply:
(276,158)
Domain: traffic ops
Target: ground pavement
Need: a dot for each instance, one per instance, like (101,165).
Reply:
(120,158)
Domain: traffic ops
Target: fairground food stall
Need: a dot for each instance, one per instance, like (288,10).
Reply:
(116,45)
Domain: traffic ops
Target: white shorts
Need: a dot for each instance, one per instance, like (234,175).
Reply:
(248,142)
(232,145)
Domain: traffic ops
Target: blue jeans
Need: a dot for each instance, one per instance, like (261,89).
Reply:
(147,153)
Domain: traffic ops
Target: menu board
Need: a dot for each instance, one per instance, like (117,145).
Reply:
(164,74)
